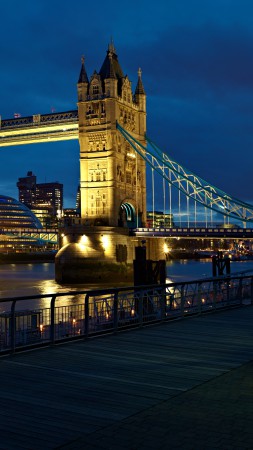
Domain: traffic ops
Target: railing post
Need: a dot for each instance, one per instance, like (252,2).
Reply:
(140,309)
(228,292)
(52,321)
(163,303)
(182,301)
(115,312)
(240,291)
(214,293)
(13,327)
(199,301)
(251,291)
(86,315)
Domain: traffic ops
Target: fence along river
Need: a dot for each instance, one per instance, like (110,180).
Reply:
(42,319)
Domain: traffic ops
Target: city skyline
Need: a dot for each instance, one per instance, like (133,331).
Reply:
(197,71)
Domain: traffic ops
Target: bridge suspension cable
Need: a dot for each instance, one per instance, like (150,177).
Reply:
(191,185)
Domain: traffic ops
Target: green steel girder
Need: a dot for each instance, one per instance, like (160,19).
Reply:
(192,186)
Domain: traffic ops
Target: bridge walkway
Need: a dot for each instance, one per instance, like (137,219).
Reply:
(181,385)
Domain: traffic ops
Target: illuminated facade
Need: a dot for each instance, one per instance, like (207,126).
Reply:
(112,175)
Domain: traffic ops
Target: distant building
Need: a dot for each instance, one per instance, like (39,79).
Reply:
(44,214)
(27,190)
(44,199)
(70,216)
(157,219)
(50,195)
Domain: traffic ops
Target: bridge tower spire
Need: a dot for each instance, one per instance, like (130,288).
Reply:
(112,175)
(83,83)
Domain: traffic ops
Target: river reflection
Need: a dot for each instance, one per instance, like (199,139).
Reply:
(18,280)
(34,279)
(38,279)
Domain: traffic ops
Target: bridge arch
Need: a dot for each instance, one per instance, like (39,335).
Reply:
(127,215)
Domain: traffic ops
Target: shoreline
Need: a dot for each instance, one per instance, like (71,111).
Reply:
(46,257)
(26,258)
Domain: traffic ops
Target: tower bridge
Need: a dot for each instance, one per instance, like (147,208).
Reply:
(115,156)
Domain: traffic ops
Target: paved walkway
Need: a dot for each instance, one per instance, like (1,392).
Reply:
(215,415)
(181,385)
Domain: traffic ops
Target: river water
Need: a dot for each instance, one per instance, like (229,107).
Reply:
(38,279)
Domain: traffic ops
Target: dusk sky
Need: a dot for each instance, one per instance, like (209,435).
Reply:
(196,58)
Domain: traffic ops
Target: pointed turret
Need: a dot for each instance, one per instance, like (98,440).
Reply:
(140,95)
(83,83)
(83,78)
(139,88)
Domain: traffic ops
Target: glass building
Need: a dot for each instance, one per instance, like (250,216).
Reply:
(18,226)
(14,214)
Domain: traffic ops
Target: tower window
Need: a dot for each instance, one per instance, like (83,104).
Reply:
(98,205)
(95,89)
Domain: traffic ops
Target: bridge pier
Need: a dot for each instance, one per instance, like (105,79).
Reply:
(101,254)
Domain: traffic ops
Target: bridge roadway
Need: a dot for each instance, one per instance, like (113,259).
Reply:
(193,232)
(39,128)
(180,385)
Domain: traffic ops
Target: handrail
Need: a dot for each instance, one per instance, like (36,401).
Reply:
(85,313)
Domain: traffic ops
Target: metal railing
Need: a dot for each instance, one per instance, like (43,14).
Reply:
(21,122)
(53,318)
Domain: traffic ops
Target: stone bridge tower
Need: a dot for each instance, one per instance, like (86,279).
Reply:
(112,175)
(98,247)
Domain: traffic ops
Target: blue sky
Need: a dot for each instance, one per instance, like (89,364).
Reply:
(197,70)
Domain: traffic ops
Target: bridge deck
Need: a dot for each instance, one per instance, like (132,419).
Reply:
(126,391)
(211,232)
(39,128)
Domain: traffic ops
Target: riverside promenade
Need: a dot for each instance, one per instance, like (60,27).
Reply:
(186,384)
